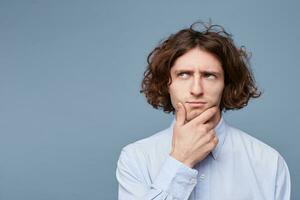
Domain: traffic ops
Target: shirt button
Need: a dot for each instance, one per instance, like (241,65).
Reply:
(202,176)
(193,180)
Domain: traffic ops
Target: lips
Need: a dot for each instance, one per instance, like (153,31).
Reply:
(196,103)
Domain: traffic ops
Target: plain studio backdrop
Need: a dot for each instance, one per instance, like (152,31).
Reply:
(70,74)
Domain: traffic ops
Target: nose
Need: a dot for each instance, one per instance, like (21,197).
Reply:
(196,87)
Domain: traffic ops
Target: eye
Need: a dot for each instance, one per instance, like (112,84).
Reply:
(209,75)
(183,75)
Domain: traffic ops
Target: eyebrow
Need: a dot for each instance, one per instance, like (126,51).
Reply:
(202,71)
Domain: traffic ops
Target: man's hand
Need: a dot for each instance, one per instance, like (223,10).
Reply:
(194,140)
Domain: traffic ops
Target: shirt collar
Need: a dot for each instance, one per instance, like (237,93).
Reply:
(220,130)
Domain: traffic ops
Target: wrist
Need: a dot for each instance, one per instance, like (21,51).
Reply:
(182,160)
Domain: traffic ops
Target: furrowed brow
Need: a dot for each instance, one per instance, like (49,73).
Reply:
(182,70)
(210,72)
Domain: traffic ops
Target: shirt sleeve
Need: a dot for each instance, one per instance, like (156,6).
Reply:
(283,182)
(174,180)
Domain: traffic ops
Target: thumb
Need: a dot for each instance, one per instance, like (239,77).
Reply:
(180,114)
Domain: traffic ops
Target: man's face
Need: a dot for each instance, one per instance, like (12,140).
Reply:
(197,82)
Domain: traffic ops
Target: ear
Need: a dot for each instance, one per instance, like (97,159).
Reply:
(169,83)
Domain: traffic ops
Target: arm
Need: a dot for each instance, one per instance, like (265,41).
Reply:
(283,182)
(191,143)
(174,180)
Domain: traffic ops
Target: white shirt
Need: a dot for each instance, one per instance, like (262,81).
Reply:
(239,168)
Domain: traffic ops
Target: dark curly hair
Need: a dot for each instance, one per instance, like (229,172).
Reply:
(239,81)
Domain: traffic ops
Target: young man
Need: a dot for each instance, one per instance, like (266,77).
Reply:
(197,75)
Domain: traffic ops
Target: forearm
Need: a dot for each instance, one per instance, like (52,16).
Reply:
(173,181)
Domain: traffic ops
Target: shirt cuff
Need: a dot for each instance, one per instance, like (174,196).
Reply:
(175,178)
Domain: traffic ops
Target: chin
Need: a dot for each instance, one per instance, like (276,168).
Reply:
(193,114)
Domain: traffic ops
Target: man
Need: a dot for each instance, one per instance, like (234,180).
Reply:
(197,75)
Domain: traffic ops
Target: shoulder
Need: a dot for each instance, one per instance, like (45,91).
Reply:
(258,151)
(252,144)
(149,146)
(144,157)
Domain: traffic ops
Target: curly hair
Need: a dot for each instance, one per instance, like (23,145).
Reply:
(239,83)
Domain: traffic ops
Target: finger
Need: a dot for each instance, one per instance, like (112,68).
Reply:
(210,124)
(206,115)
(180,114)
(215,141)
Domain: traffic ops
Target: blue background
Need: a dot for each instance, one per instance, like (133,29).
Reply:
(70,74)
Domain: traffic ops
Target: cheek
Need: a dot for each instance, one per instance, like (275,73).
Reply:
(215,93)
(176,93)
(219,90)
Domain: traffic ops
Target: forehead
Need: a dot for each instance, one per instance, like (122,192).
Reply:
(197,59)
